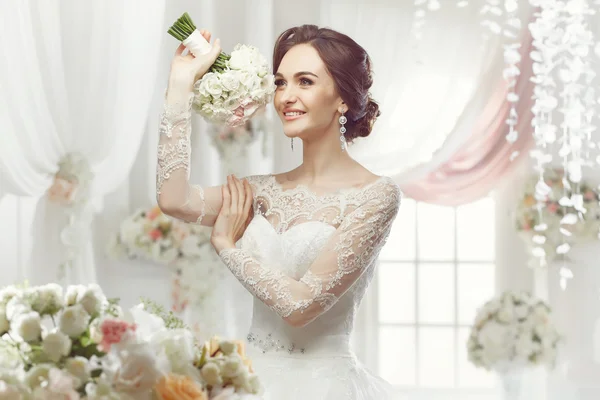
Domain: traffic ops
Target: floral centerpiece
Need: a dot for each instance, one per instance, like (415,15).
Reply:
(512,332)
(152,235)
(565,214)
(75,343)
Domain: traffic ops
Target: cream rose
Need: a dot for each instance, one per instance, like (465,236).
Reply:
(29,326)
(74,320)
(56,345)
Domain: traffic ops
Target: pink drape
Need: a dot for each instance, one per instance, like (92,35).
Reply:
(476,167)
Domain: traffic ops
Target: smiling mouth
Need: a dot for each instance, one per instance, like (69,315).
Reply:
(293,115)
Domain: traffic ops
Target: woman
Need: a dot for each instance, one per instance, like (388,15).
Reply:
(309,238)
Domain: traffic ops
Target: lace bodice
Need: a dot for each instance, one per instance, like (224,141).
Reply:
(307,258)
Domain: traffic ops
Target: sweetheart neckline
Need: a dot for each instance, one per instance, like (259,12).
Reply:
(293,226)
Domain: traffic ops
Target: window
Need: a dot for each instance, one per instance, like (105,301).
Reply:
(435,270)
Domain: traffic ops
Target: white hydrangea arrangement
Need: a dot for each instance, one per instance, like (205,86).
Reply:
(74,343)
(513,330)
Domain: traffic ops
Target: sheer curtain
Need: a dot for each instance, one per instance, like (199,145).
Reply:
(77,78)
(431,91)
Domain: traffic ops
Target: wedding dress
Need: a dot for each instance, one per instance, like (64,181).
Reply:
(306,257)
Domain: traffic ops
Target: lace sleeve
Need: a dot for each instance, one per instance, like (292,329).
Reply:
(175,196)
(352,249)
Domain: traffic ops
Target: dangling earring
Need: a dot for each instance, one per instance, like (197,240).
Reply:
(292,143)
(343,121)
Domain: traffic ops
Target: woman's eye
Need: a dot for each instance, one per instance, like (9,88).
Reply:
(278,82)
(305,81)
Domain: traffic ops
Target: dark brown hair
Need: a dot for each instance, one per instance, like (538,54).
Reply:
(349,65)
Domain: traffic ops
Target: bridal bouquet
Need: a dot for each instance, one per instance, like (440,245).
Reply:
(513,330)
(76,344)
(236,86)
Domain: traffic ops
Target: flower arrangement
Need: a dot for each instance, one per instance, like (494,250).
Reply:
(236,86)
(74,343)
(151,235)
(513,330)
(565,214)
(232,142)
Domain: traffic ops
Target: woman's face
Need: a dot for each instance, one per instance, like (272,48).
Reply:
(305,99)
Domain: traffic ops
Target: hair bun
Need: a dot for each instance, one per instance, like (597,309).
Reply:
(364,125)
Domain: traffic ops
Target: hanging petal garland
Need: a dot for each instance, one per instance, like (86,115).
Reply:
(562,41)
(421,9)
(554,214)
(565,95)
(71,189)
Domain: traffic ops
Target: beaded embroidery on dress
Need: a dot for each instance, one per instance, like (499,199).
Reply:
(307,259)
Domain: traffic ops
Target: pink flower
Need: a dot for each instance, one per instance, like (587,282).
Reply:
(589,195)
(552,207)
(155,234)
(62,191)
(153,213)
(113,331)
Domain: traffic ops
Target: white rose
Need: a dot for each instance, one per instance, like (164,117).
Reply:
(79,367)
(214,87)
(74,320)
(177,345)
(37,375)
(4,324)
(56,345)
(521,311)
(92,299)
(232,366)
(505,314)
(102,390)
(47,299)
(72,293)
(8,293)
(29,326)
(12,391)
(212,374)
(95,332)
(15,307)
(137,373)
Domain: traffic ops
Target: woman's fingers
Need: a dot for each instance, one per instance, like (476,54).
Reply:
(234,195)
(206,35)
(226,197)
(241,194)
(249,197)
(180,49)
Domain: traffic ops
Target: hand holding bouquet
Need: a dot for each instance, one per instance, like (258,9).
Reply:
(231,88)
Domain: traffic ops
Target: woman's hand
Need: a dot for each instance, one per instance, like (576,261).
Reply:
(186,70)
(235,215)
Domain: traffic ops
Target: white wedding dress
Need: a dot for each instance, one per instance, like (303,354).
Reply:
(306,257)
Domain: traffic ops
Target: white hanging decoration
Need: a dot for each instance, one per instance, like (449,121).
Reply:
(72,190)
(564,91)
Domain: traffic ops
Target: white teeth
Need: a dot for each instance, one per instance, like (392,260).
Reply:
(293,114)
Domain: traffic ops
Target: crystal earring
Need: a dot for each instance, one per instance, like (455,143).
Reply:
(343,121)
(292,143)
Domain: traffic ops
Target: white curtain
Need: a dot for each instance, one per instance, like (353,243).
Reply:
(431,90)
(77,76)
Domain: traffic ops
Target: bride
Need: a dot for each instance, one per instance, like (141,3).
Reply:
(308,239)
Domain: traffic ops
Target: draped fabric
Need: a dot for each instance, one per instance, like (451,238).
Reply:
(77,78)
